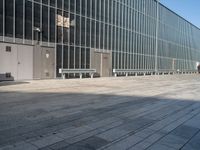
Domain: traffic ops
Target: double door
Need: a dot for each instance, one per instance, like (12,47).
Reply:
(16,61)
(102,62)
(44,62)
(25,62)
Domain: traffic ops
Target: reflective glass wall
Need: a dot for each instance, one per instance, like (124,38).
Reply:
(130,29)
(178,43)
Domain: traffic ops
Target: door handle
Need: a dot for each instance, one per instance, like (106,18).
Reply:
(19,63)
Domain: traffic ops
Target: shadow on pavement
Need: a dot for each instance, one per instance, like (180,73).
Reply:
(87,121)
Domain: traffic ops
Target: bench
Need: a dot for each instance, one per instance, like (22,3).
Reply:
(77,71)
(160,71)
(166,71)
(6,77)
(128,71)
(178,71)
(183,71)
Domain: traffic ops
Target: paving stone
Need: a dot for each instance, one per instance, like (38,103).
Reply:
(43,142)
(124,143)
(68,133)
(113,134)
(20,146)
(171,122)
(59,145)
(144,133)
(159,147)
(184,131)
(92,133)
(103,122)
(45,148)
(91,143)
(141,146)
(149,139)
(173,141)
(152,139)
(194,122)
(178,122)
(193,144)
(82,136)
(137,123)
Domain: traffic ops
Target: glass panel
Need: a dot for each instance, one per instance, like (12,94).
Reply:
(9,18)
(87,58)
(72,27)
(88,33)
(59,4)
(28,20)
(78,6)
(77,58)
(83,58)
(72,57)
(18,18)
(52,2)
(101,35)
(93,34)
(66,26)
(45,24)
(1,17)
(83,31)
(66,5)
(97,34)
(45,2)
(93,9)
(78,30)
(58,60)
(52,25)
(66,57)
(83,8)
(36,18)
(72,5)
(88,8)
(59,26)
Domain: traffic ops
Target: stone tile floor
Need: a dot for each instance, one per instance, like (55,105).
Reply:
(134,113)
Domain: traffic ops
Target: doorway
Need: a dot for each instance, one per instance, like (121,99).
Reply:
(102,62)
(16,61)
(48,63)
(44,62)
(24,62)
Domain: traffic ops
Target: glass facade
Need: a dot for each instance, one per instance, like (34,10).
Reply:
(141,34)
(178,42)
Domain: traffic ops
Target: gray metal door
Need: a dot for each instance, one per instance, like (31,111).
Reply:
(25,62)
(102,64)
(16,60)
(97,63)
(48,63)
(105,64)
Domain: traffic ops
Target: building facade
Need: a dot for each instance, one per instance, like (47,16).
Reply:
(38,37)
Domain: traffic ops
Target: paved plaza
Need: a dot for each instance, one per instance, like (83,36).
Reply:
(134,113)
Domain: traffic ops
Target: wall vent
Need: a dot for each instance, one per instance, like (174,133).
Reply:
(8,75)
(8,48)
